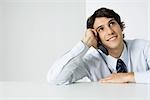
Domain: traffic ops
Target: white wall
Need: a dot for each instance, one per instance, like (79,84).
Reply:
(1,72)
(35,33)
(148,20)
(133,12)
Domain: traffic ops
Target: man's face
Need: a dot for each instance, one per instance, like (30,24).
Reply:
(109,32)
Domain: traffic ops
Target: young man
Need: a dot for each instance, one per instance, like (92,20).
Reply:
(103,54)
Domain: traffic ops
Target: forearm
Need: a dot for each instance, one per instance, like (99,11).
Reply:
(69,61)
(119,78)
(72,71)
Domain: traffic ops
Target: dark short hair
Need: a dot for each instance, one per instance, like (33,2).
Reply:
(104,12)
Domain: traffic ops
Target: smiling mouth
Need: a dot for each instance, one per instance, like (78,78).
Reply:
(112,38)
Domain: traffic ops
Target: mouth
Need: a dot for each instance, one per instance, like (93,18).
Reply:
(112,38)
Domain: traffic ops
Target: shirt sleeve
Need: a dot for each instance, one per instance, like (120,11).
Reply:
(69,67)
(144,77)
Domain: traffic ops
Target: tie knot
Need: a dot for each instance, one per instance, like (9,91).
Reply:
(121,67)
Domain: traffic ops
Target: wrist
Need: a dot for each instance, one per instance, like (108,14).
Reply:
(131,77)
(86,43)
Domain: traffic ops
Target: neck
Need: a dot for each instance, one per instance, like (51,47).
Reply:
(116,53)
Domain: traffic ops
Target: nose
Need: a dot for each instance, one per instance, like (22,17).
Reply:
(109,31)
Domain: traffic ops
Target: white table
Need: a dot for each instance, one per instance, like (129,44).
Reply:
(77,91)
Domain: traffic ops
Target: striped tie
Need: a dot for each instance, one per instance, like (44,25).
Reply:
(121,67)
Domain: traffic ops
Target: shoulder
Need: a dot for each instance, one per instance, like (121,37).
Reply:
(137,43)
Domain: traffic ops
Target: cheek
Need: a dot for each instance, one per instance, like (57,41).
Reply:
(102,37)
(121,34)
(118,29)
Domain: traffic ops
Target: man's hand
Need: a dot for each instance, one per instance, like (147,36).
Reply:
(90,38)
(119,78)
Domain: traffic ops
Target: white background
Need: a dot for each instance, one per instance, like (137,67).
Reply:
(34,33)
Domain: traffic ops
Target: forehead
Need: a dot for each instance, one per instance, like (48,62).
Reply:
(101,21)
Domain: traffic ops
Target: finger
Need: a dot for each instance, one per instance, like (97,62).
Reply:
(106,79)
(110,78)
(113,80)
(94,31)
(90,33)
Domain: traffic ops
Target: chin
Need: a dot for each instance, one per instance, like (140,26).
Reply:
(113,45)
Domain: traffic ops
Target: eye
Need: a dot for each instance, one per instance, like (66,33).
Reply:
(112,23)
(100,29)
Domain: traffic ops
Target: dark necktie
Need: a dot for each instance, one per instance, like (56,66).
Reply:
(121,67)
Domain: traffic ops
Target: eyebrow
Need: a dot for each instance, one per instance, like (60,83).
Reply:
(108,22)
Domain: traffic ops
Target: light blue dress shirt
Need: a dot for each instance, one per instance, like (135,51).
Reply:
(82,61)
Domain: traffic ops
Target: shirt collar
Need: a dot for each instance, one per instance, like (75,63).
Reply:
(111,61)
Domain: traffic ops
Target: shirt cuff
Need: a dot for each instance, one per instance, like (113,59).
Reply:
(142,77)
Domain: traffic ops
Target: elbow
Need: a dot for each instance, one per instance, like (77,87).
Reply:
(57,80)
(52,80)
